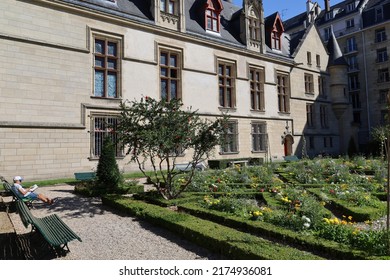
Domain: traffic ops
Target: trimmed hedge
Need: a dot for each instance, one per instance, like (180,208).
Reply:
(224,240)
(359,214)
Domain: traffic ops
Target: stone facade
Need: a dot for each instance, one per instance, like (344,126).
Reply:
(49,108)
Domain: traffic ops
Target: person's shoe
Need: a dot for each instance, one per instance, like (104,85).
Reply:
(51,201)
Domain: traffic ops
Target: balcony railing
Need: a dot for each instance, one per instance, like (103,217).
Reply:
(346,31)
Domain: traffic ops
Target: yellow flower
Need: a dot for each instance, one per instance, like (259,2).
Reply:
(350,218)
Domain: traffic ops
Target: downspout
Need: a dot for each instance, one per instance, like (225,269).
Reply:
(366,86)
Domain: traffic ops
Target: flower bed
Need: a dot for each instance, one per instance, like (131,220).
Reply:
(314,206)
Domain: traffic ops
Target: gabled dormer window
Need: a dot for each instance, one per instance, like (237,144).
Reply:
(275,32)
(329,15)
(212,15)
(378,14)
(351,7)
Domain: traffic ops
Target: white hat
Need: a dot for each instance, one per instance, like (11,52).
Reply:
(18,178)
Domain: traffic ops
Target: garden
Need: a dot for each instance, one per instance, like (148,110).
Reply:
(321,208)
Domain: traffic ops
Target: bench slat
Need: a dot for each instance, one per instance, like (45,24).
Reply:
(52,228)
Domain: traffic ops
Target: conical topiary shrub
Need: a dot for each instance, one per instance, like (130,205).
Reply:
(108,175)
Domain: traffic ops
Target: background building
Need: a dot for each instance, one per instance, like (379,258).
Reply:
(67,65)
(361,29)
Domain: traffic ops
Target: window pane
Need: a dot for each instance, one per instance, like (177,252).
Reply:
(112,85)
(99,83)
(164,89)
(111,48)
(173,60)
(99,62)
(215,25)
(163,59)
(112,63)
(173,89)
(228,82)
(228,72)
(99,46)
(173,73)
(220,70)
(221,99)
(164,72)
(228,97)
(171,7)
(162,5)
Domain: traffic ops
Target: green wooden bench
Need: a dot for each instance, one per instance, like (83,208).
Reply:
(85,176)
(291,158)
(51,227)
(7,186)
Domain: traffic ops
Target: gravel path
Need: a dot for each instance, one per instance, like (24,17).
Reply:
(107,235)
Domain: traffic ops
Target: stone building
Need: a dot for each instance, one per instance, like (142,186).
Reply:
(67,65)
(361,28)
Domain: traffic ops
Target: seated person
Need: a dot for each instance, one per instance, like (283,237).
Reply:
(23,193)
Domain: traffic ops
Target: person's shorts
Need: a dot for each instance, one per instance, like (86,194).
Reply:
(32,196)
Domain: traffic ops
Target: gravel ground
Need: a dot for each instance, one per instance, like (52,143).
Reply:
(107,235)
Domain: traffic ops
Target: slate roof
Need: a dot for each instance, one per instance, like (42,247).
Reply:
(339,10)
(335,55)
(296,39)
(131,9)
(230,22)
(139,10)
(369,17)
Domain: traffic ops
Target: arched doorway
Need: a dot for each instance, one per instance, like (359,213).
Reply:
(288,142)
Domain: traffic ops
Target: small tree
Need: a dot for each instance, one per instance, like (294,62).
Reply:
(159,132)
(107,173)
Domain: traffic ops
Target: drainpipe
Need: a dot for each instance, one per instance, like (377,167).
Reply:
(366,86)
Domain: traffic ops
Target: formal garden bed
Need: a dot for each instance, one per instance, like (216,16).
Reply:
(322,208)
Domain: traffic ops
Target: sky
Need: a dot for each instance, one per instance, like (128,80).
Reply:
(287,8)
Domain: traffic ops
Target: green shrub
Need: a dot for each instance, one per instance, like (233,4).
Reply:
(108,175)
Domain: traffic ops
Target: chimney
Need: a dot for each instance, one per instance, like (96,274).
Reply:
(309,6)
(327,5)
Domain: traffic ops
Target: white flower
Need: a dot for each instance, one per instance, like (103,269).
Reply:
(306,225)
(306,219)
